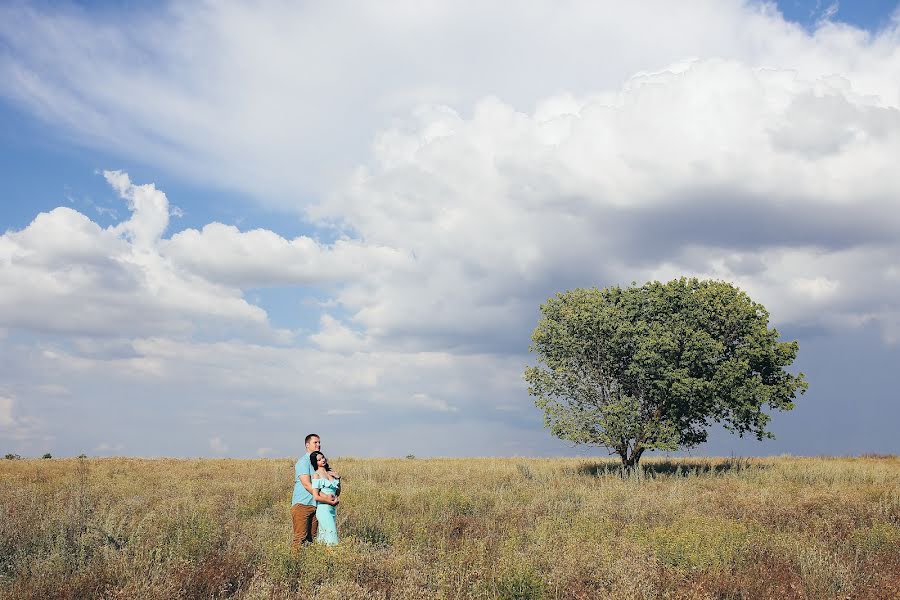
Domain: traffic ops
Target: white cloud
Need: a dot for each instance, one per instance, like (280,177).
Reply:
(229,114)
(677,173)
(149,211)
(260,257)
(6,408)
(459,225)
(64,273)
(431,403)
(817,288)
(217,445)
(334,336)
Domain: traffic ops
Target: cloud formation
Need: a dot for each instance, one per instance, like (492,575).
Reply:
(463,192)
(278,98)
(261,257)
(703,169)
(65,274)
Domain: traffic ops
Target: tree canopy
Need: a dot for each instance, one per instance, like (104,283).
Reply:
(652,367)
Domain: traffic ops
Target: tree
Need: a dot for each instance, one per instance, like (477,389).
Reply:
(651,367)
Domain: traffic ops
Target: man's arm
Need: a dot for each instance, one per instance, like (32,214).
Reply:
(306,482)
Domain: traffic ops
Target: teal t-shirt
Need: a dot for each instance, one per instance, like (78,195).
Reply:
(301,496)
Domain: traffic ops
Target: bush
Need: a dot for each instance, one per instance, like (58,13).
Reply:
(47,455)
(12,456)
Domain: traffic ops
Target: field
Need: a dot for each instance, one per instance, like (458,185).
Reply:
(455,528)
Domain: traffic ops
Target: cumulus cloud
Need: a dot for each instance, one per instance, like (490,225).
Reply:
(149,211)
(782,146)
(213,102)
(261,257)
(680,172)
(63,273)
(335,336)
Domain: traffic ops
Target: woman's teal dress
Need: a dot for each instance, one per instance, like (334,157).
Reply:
(326,513)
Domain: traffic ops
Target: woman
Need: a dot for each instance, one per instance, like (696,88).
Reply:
(326,489)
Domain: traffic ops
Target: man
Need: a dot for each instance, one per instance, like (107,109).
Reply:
(303,503)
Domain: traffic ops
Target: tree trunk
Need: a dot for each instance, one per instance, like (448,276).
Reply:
(631,461)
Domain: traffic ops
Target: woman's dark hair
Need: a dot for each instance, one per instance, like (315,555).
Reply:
(314,461)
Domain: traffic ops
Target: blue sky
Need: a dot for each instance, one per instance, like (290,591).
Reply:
(870,15)
(228,225)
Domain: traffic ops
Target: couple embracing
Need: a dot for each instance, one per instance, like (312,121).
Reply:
(316,491)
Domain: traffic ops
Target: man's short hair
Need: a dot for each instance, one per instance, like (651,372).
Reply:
(311,436)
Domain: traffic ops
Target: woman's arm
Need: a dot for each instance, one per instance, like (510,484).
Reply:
(325,498)
(318,496)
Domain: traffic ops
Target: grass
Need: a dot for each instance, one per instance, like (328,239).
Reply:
(453,528)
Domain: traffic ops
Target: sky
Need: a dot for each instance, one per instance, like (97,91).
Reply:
(226,225)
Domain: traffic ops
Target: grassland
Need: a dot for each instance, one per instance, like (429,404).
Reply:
(451,528)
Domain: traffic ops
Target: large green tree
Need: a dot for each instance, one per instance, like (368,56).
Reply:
(652,367)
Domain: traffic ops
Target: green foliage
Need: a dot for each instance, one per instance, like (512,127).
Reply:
(47,455)
(650,367)
(11,456)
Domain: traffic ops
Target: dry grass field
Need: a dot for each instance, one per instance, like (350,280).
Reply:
(454,528)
